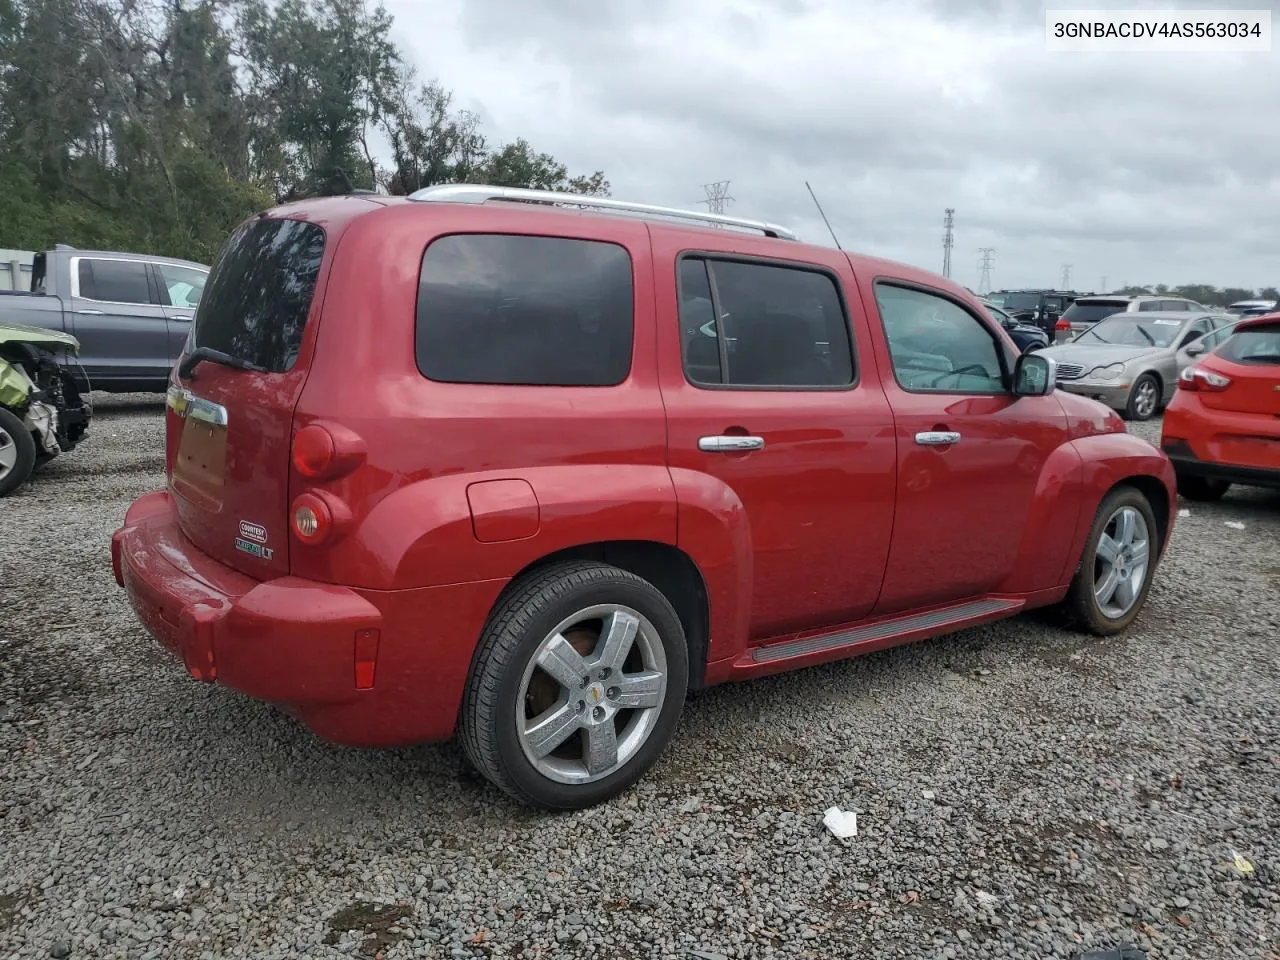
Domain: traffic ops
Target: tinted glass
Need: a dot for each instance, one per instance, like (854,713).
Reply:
(1021,301)
(1053,303)
(540,311)
(783,327)
(182,285)
(258,295)
(698,323)
(1090,312)
(1259,345)
(936,345)
(115,281)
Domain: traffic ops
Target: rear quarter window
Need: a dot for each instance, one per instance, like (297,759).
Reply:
(258,296)
(525,310)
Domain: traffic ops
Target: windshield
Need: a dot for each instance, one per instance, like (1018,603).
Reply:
(1133,330)
(1256,345)
(1091,312)
(997,314)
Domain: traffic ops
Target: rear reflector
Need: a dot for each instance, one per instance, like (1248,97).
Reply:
(366,657)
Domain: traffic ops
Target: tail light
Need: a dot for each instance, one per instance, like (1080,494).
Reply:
(1197,378)
(326,451)
(1062,324)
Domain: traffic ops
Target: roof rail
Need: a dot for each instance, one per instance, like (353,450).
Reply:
(477,193)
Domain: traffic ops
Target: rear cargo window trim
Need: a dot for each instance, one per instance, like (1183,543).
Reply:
(710,256)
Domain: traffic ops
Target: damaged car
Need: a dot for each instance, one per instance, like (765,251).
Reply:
(44,400)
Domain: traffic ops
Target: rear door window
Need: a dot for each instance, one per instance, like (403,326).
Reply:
(754,324)
(258,296)
(114,281)
(540,311)
(1260,345)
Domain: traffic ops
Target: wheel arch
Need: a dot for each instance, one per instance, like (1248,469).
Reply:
(670,570)
(1156,494)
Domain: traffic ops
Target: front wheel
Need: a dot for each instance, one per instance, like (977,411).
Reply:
(1114,577)
(576,687)
(1144,398)
(17,453)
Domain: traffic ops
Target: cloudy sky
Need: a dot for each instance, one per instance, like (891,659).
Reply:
(1140,168)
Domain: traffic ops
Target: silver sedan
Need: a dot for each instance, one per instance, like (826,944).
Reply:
(1130,361)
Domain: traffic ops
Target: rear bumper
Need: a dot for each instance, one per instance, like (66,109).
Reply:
(1187,464)
(359,667)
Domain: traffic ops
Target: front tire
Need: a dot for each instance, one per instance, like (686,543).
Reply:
(1144,398)
(1111,584)
(17,453)
(576,687)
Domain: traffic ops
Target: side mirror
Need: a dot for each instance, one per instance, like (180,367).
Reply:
(1195,349)
(1034,375)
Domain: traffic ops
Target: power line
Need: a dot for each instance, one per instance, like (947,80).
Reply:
(948,240)
(717,196)
(1066,276)
(984,284)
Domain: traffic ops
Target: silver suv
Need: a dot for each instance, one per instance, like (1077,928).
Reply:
(1084,312)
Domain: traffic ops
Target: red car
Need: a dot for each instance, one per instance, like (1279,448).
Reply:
(467,462)
(1223,424)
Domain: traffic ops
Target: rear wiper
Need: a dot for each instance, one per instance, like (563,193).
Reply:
(193,358)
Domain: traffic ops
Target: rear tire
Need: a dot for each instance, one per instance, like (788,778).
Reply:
(576,687)
(1113,579)
(1202,489)
(17,453)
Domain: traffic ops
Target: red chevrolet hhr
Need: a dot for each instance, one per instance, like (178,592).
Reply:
(527,468)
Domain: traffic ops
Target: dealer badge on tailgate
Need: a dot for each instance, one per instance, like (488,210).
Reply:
(253,540)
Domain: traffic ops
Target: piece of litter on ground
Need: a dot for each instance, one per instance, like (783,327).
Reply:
(929,795)
(1234,524)
(842,823)
(1184,512)
(1240,863)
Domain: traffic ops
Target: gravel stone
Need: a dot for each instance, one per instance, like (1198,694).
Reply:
(1093,790)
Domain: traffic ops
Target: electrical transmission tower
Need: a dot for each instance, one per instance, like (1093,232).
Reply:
(1066,276)
(1103,288)
(984,284)
(717,196)
(948,239)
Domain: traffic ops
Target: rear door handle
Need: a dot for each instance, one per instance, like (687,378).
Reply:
(180,316)
(937,438)
(729,444)
(91,313)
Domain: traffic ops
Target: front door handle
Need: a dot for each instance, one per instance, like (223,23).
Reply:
(937,438)
(180,316)
(730,444)
(91,313)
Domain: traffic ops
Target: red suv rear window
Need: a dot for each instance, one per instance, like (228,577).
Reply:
(258,296)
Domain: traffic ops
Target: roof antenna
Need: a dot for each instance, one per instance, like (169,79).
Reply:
(824,216)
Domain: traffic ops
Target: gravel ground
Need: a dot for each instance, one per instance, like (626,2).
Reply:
(1022,791)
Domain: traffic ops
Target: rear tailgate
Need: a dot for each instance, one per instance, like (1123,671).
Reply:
(228,429)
